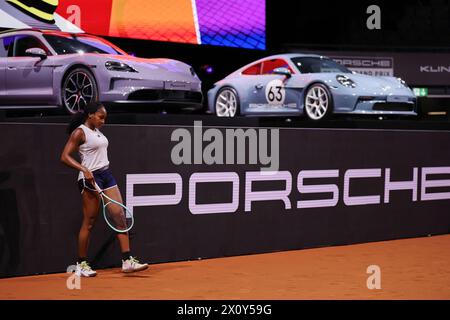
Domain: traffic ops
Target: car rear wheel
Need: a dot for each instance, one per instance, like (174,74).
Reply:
(78,89)
(318,102)
(227,103)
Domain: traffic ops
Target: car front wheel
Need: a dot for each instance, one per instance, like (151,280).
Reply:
(318,102)
(78,89)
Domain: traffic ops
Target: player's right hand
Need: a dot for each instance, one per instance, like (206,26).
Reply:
(88,175)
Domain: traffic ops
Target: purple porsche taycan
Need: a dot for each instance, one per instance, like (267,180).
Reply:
(53,69)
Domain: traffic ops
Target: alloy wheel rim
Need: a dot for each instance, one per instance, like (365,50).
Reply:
(316,103)
(78,91)
(226,104)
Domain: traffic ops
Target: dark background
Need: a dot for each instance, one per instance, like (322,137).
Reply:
(417,24)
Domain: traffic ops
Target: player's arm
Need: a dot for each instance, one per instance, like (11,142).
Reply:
(73,144)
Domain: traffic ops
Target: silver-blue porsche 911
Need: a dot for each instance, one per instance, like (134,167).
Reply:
(54,69)
(313,85)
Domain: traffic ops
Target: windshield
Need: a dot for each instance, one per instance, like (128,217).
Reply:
(68,44)
(318,65)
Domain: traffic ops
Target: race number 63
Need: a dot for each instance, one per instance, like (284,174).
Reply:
(275,92)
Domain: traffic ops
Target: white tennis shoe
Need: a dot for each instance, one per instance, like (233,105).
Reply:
(133,265)
(84,270)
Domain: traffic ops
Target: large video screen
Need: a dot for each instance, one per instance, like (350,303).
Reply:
(233,23)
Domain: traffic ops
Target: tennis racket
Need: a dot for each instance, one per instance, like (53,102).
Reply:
(117,216)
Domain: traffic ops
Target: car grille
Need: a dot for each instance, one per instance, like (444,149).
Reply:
(166,95)
(393,106)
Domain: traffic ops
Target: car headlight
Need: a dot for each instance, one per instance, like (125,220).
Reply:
(345,81)
(402,82)
(119,66)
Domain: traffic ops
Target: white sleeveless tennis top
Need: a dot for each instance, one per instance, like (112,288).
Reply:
(94,151)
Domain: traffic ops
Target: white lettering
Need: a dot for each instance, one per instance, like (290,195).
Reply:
(358,174)
(155,200)
(324,188)
(434,184)
(400,185)
(211,177)
(252,196)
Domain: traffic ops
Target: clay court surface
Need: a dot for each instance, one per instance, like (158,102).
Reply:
(416,268)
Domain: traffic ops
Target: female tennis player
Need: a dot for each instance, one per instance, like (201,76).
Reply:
(91,144)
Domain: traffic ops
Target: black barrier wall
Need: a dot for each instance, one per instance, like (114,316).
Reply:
(40,206)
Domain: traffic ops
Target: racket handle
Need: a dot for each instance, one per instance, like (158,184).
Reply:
(97,187)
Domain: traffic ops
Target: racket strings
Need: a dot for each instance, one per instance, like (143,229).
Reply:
(117,216)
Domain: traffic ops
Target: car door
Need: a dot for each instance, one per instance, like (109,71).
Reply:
(4,45)
(271,92)
(29,80)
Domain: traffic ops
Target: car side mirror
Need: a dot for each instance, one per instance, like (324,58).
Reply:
(283,72)
(36,52)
